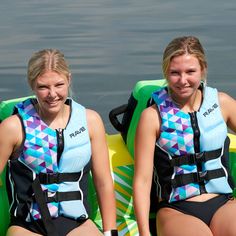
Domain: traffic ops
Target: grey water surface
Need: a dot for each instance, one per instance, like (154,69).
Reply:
(112,44)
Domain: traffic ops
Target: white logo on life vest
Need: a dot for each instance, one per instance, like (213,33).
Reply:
(82,129)
(209,110)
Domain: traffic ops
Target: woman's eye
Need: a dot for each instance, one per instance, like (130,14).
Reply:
(174,73)
(41,87)
(60,85)
(190,72)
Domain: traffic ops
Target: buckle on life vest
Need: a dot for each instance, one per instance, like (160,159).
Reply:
(51,197)
(201,176)
(197,177)
(195,158)
(199,157)
(57,177)
(49,178)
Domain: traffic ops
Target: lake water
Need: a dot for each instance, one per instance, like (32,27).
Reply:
(112,44)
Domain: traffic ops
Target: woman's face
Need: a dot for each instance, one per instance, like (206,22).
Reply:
(184,75)
(51,90)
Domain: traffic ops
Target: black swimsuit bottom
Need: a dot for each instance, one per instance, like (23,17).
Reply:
(62,224)
(202,210)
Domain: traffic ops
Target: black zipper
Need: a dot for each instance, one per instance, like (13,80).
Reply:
(196,132)
(60,143)
(196,143)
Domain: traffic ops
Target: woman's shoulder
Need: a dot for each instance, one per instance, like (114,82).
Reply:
(94,121)
(227,105)
(150,117)
(150,112)
(225,98)
(11,130)
(11,123)
(92,115)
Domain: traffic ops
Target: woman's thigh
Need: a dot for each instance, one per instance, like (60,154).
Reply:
(223,221)
(88,228)
(171,222)
(19,231)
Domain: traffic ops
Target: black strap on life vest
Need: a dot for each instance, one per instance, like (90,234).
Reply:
(184,179)
(62,196)
(43,197)
(45,214)
(51,178)
(195,158)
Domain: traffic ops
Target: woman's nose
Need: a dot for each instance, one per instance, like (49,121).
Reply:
(183,78)
(52,92)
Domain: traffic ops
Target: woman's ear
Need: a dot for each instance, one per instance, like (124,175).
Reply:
(69,77)
(31,84)
(204,74)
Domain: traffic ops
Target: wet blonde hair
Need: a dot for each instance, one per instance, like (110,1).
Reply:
(184,45)
(46,60)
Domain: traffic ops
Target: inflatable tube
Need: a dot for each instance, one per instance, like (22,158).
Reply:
(138,100)
(4,215)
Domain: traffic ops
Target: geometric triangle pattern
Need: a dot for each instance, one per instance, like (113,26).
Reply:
(39,151)
(183,192)
(176,134)
(40,146)
(176,138)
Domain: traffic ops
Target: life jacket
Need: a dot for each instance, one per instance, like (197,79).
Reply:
(191,153)
(50,176)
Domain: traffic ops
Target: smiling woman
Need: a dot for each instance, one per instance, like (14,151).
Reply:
(49,78)
(184,77)
(181,140)
(52,143)
(51,90)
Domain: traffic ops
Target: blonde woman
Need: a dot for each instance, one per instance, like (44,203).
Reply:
(183,138)
(51,144)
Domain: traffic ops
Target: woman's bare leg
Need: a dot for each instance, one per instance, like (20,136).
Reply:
(171,222)
(223,221)
(88,228)
(19,231)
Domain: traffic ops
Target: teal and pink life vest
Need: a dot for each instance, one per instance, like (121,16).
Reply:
(191,155)
(52,165)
